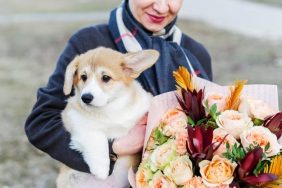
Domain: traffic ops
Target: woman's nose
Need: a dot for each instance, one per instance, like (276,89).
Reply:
(161,6)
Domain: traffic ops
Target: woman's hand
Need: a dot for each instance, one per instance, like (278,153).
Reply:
(133,142)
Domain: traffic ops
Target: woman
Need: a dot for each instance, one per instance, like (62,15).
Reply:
(135,25)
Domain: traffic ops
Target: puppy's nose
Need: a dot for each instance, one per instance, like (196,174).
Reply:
(87,98)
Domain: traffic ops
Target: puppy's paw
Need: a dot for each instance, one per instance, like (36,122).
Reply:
(101,170)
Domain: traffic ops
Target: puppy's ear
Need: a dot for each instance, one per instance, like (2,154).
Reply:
(69,75)
(136,62)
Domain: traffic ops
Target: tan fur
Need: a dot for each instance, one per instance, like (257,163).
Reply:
(106,58)
(119,117)
(111,60)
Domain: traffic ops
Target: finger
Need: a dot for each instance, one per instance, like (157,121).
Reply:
(144,119)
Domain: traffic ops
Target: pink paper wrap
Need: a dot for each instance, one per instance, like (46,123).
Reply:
(162,103)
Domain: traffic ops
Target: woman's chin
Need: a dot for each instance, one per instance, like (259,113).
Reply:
(154,27)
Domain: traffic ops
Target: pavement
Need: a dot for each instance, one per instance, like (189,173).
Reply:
(241,16)
(95,17)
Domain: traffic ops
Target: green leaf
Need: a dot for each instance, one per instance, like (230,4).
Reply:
(160,137)
(190,121)
(227,146)
(211,123)
(242,154)
(234,153)
(256,170)
(234,150)
(213,109)
(267,147)
(206,105)
(201,121)
(213,112)
(258,121)
(260,167)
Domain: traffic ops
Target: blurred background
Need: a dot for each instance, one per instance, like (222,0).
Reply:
(33,34)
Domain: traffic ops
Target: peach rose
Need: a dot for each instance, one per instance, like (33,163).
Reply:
(151,144)
(195,182)
(146,155)
(163,155)
(255,108)
(160,181)
(181,140)
(180,170)
(262,136)
(216,98)
(234,122)
(143,176)
(218,135)
(173,121)
(217,172)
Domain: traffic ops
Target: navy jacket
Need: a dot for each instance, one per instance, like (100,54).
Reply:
(44,126)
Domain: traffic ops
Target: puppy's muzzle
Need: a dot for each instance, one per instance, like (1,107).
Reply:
(87,98)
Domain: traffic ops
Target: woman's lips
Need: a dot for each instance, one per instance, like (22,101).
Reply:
(156,19)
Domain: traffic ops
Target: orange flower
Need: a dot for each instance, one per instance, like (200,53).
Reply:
(274,168)
(233,101)
(217,172)
(183,79)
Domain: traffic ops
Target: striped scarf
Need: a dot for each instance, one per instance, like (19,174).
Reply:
(130,36)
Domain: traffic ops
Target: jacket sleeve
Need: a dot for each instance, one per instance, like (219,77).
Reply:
(44,127)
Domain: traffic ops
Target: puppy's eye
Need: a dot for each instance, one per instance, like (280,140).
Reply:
(106,78)
(83,77)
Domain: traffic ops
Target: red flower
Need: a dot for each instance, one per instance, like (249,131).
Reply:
(247,166)
(274,124)
(199,143)
(260,179)
(191,103)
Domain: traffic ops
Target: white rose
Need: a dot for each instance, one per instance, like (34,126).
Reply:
(180,170)
(262,136)
(162,155)
(218,136)
(160,181)
(234,122)
(280,140)
(216,98)
(255,108)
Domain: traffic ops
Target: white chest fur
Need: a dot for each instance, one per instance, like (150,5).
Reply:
(91,128)
(85,123)
(114,120)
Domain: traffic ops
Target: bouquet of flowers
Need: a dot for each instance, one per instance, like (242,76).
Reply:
(211,137)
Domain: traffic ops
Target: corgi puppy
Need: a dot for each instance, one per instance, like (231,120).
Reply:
(107,103)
